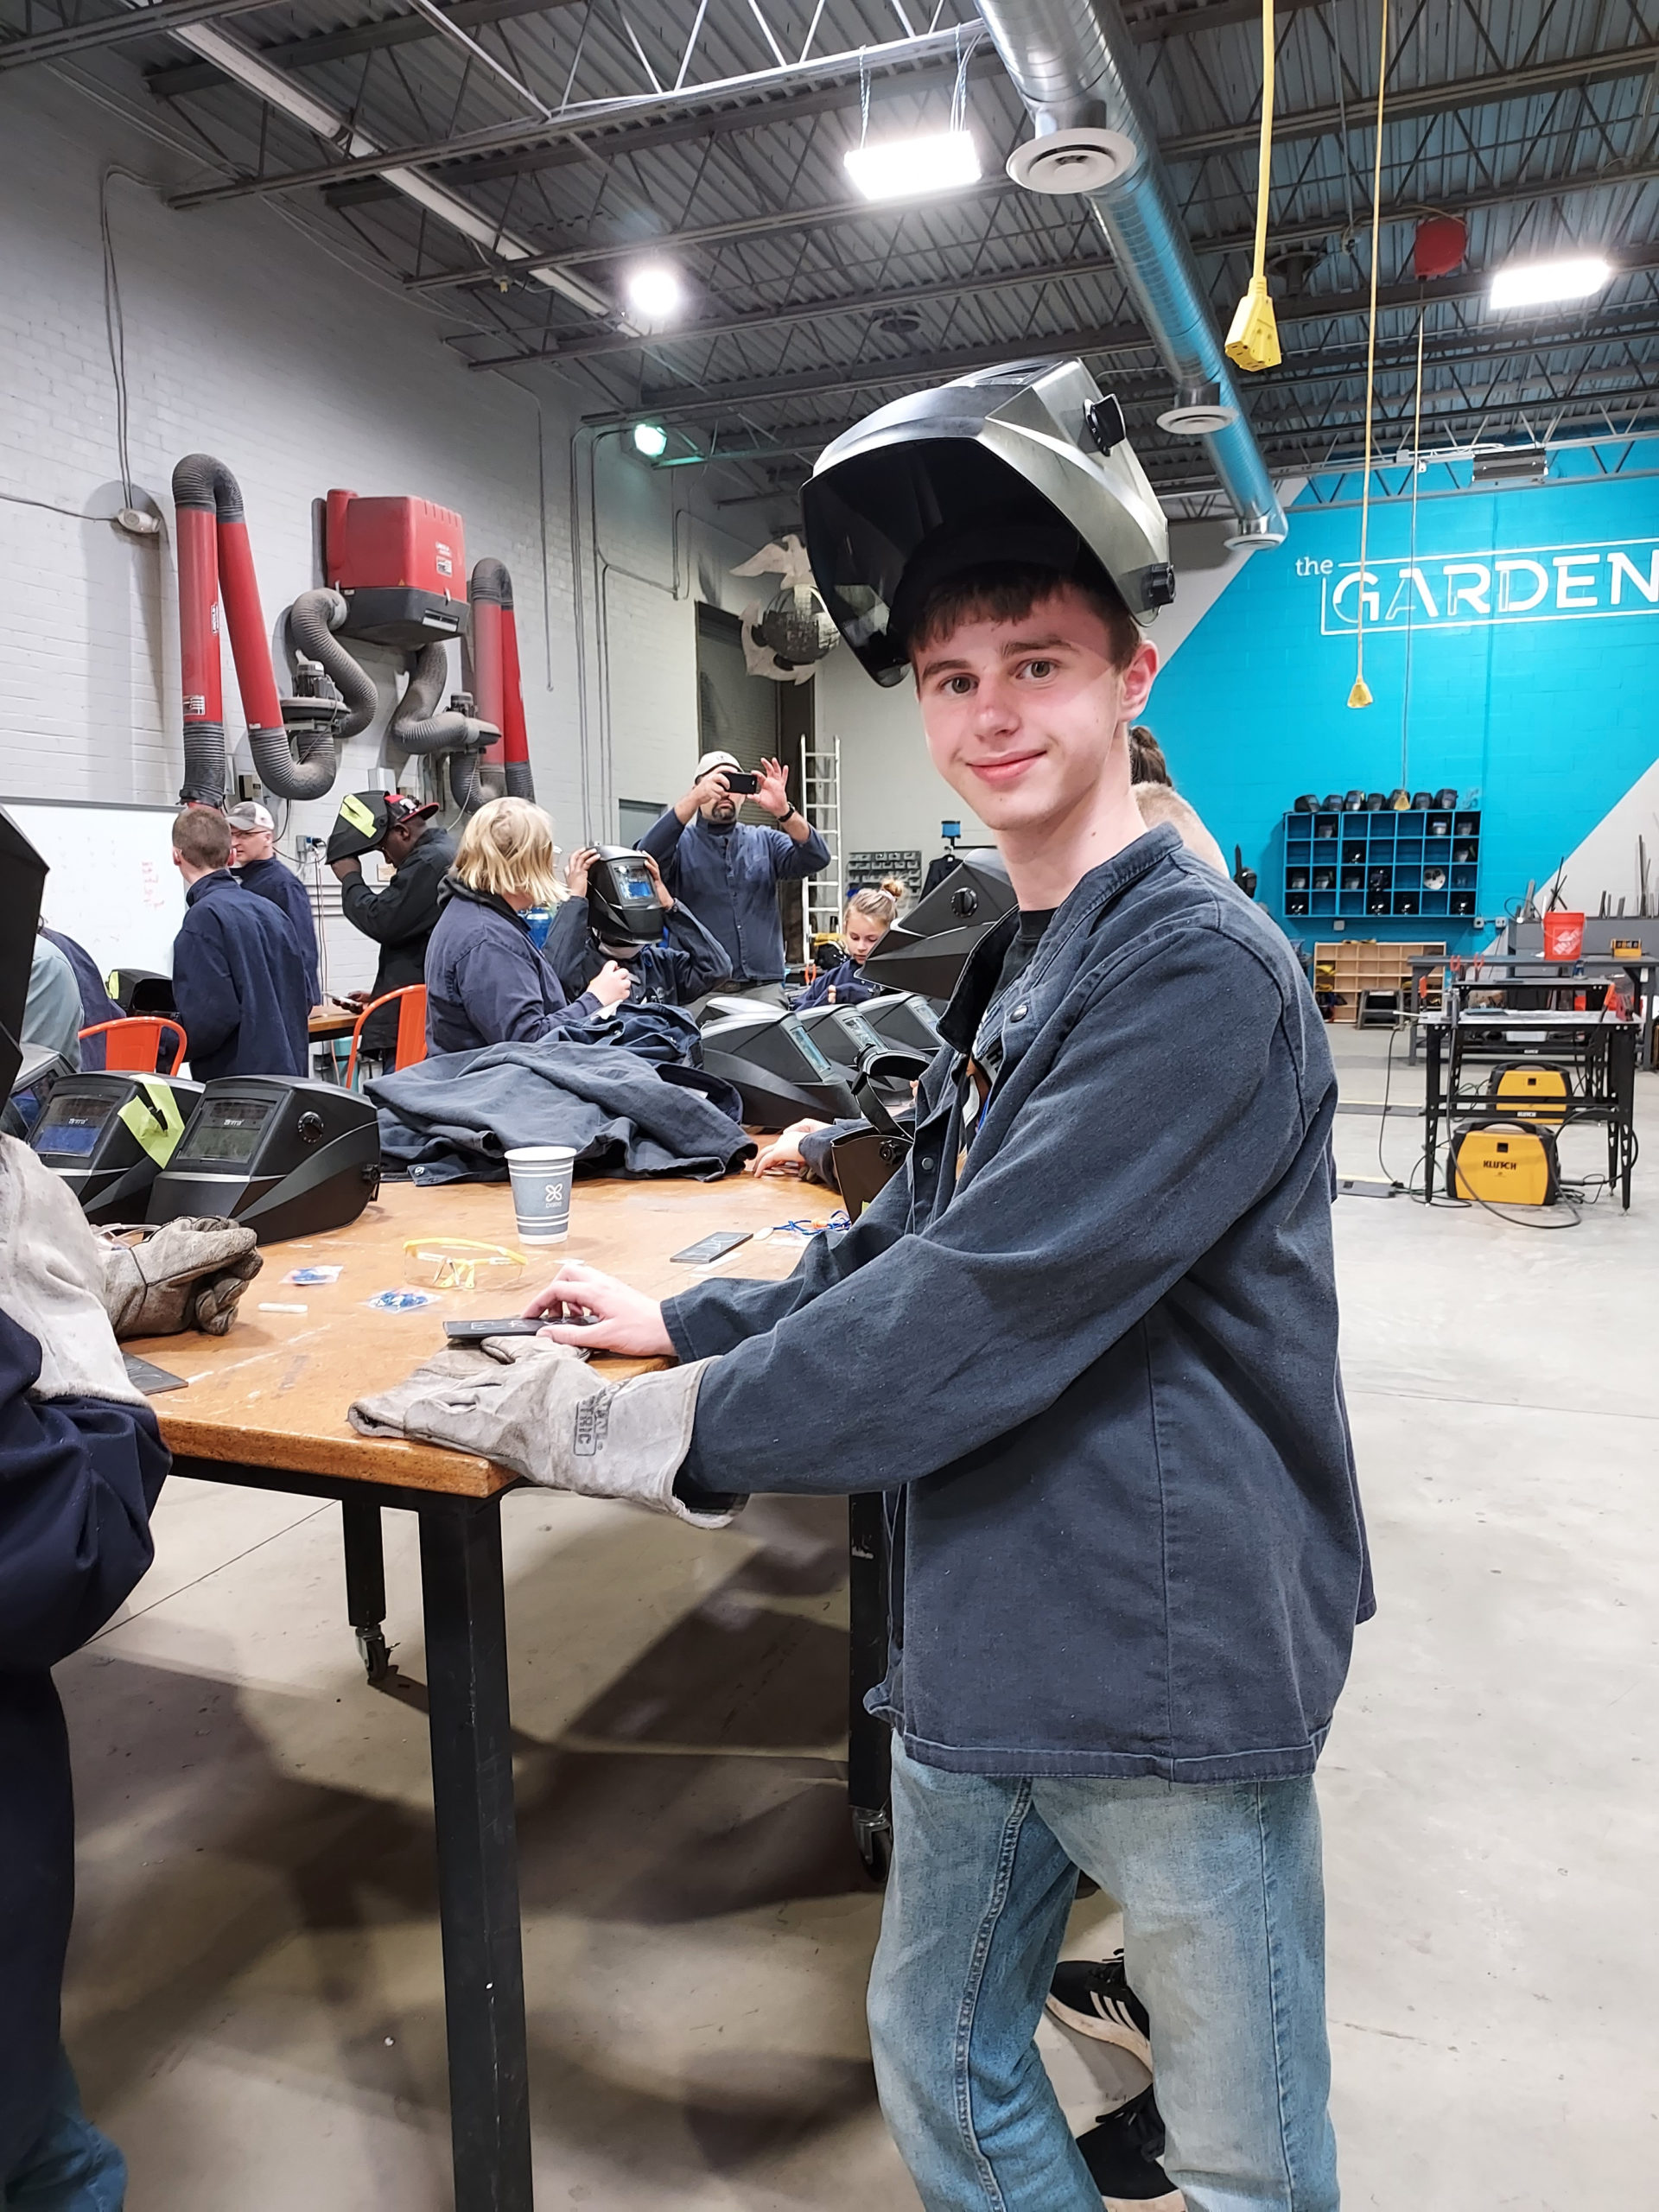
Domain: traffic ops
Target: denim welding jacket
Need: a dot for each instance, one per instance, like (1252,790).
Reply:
(1094,1326)
(729,879)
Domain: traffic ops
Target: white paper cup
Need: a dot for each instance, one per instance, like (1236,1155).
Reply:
(541,1176)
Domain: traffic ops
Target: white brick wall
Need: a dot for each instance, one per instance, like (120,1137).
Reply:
(247,340)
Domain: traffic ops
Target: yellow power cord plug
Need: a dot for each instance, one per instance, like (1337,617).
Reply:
(1253,341)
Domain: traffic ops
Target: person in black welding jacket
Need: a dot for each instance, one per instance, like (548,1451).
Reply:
(1095,1327)
(402,915)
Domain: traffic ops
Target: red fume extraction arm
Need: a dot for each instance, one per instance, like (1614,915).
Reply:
(214,552)
(495,680)
(215,558)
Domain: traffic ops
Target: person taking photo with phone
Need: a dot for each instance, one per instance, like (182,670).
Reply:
(726,872)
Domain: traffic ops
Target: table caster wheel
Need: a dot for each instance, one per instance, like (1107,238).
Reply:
(873,1833)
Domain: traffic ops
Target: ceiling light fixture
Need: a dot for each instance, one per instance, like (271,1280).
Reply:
(907,168)
(655,292)
(650,439)
(1531,283)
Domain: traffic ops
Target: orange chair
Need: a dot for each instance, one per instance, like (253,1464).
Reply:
(133,1046)
(411,1029)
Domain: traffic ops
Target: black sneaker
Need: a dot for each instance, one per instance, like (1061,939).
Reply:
(1121,2151)
(1094,1997)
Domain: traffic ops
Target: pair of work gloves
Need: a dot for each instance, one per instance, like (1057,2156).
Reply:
(75,1292)
(537,1408)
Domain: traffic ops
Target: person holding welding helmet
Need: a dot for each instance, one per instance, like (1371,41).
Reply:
(728,872)
(622,910)
(402,916)
(1094,1321)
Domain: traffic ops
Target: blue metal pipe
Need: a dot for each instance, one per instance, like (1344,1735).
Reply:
(1067,57)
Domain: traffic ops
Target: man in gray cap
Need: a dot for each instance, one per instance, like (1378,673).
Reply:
(726,872)
(256,869)
(402,917)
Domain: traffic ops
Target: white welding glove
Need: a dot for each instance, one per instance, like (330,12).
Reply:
(52,1281)
(189,1273)
(549,1419)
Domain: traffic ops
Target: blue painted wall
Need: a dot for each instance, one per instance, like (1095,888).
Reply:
(1534,678)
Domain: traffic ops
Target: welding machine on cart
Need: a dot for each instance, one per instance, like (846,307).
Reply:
(1504,1163)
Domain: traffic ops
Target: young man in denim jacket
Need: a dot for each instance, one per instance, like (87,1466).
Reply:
(1095,1323)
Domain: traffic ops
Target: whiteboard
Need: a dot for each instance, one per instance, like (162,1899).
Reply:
(112,887)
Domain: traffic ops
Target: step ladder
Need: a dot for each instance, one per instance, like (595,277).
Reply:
(824,895)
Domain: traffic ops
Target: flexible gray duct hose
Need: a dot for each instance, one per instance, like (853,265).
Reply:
(312,621)
(418,730)
(473,782)
(300,765)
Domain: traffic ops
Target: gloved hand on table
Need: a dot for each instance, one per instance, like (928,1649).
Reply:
(189,1273)
(535,1407)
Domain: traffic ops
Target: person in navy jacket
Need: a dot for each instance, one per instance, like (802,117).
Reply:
(253,857)
(686,960)
(239,972)
(868,916)
(486,981)
(728,872)
(81,1465)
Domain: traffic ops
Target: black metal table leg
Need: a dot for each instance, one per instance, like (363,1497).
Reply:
(869,1741)
(366,1584)
(1432,1110)
(477,1866)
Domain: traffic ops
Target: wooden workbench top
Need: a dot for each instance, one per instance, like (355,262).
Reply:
(273,1392)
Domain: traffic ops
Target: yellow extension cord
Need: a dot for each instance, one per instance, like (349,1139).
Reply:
(1253,341)
(1361,694)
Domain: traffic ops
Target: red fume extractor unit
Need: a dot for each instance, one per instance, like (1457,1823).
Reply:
(396,563)
(395,571)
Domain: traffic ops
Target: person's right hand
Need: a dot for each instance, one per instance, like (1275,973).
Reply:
(575,870)
(611,984)
(783,1155)
(708,788)
(622,1319)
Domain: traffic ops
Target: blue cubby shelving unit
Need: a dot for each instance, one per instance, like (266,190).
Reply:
(1406,864)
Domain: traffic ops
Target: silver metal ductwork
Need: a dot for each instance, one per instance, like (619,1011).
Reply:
(1069,61)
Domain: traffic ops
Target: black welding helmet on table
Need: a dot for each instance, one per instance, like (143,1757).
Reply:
(929,949)
(108,1135)
(1026,463)
(781,1074)
(622,901)
(287,1157)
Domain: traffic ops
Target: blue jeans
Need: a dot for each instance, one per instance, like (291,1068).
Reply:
(1224,1932)
(70,2166)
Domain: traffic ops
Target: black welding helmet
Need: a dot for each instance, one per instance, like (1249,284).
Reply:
(23,873)
(622,901)
(1026,463)
(365,817)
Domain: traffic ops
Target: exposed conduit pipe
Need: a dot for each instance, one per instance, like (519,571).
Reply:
(493,660)
(1070,61)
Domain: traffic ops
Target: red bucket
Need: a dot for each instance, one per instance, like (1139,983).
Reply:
(1563,937)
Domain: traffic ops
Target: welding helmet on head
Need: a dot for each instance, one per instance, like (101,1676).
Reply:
(622,901)
(1027,463)
(365,819)
(22,874)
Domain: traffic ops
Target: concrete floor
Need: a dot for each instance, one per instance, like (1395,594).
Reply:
(254,1996)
